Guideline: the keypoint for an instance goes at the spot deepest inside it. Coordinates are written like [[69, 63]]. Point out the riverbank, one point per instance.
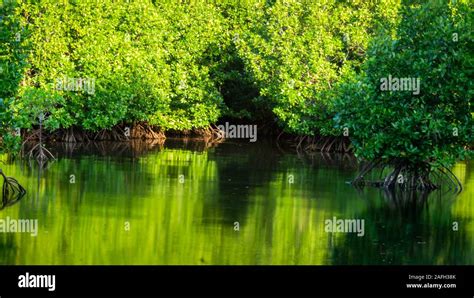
[[211, 134], [138, 135]]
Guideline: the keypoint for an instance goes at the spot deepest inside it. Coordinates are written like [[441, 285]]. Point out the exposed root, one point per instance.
[[454, 180], [214, 136], [407, 178], [12, 191], [39, 152], [145, 132], [279, 136], [301, 139], [323, 159], [72, 135], [366, 168], [211, 135], [118, 133], [35, 135], [322, 144], [132, 148], [114, 134]]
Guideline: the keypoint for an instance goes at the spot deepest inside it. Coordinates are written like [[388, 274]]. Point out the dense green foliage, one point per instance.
[[174, 65], [313, 67], [434, 43], [297, 51], [149, 62], [12, 61]]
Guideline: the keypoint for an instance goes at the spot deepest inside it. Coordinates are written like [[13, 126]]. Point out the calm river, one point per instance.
[[234, 203]]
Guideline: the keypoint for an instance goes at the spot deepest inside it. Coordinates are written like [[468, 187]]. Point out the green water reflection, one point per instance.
[[136, 208]]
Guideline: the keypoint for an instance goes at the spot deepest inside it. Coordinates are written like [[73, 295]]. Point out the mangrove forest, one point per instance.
[[238, 132]]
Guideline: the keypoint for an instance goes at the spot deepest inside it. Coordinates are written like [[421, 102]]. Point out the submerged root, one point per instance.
[[409, 202]]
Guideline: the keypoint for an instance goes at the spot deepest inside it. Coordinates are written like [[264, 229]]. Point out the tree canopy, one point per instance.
[[313, 67]]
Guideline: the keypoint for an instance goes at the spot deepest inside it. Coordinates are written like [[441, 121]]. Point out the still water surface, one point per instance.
[[182, 203]]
